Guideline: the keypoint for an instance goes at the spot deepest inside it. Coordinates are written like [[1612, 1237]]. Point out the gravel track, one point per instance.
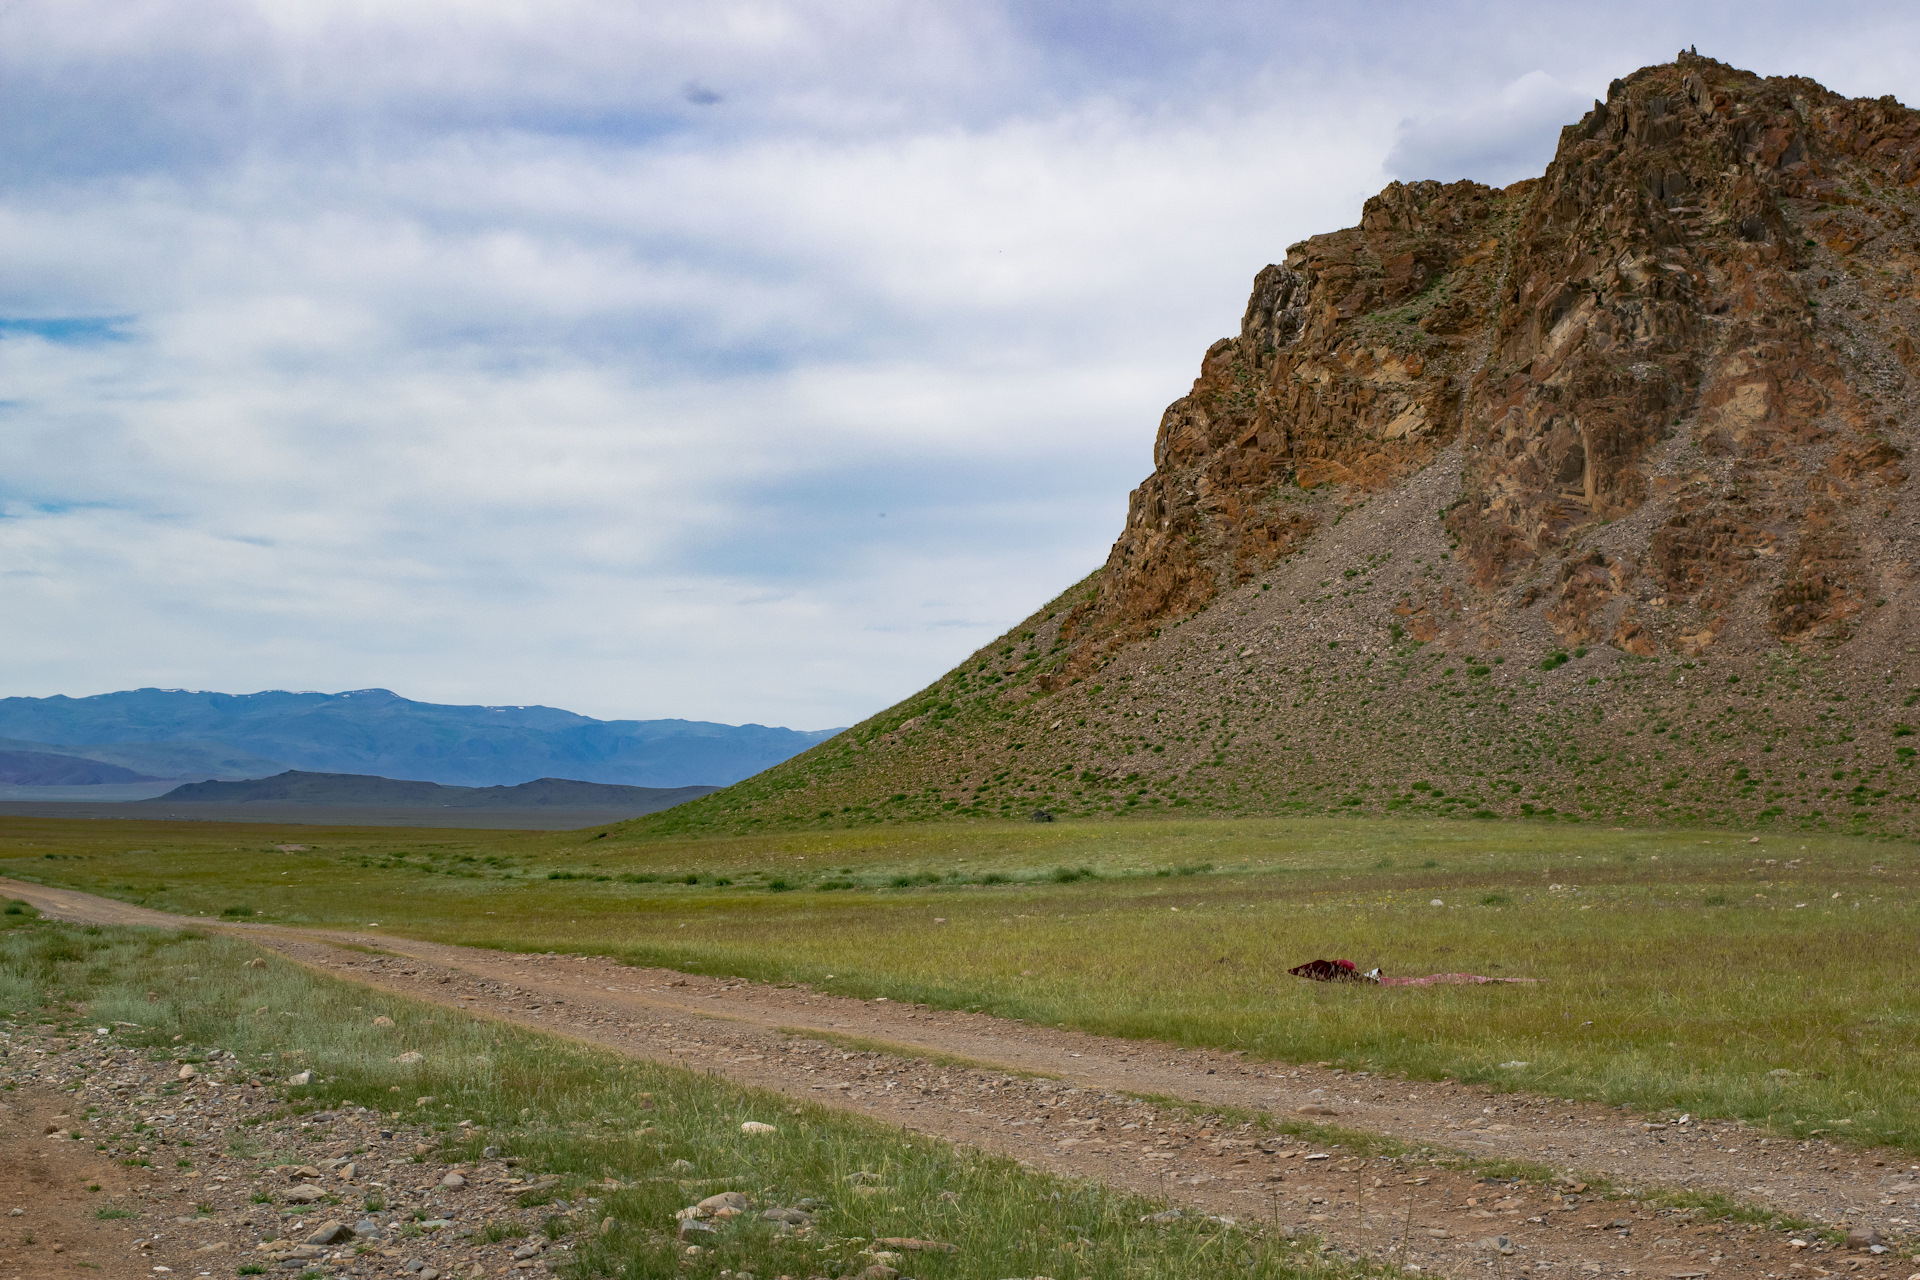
[[1073, 1103]]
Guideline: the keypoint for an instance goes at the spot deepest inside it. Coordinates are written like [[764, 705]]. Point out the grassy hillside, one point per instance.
[[1303, 693]]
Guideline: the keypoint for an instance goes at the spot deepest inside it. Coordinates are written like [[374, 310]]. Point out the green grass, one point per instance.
[[1678, 968], [577, 1112]]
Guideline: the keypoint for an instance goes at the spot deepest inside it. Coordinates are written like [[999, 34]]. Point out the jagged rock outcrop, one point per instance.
[[1588, 496], [1653, 282]]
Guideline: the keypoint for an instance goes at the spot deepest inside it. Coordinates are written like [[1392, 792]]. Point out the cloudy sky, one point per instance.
[[740, 360]]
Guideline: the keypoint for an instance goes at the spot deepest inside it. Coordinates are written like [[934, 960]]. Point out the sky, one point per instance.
[[736, 360]]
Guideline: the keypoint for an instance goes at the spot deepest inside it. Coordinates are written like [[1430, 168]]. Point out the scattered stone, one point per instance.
[[368, 1229], [792, 1217], [331, 1233], [913, 1245], [1863, 1238], [187, 1073], [305, 1194], [455, 1180]]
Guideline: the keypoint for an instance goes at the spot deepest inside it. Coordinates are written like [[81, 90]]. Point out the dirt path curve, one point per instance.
[[1087, 1119]]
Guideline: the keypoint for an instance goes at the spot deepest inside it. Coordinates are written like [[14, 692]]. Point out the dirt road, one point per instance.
[[1070, 1102]]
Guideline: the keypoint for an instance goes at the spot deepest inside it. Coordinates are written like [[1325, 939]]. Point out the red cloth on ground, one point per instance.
[[1347, 971]]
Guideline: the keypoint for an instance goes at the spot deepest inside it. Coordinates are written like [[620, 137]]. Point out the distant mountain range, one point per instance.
[[174, 733], [54, 769], [297, 787]]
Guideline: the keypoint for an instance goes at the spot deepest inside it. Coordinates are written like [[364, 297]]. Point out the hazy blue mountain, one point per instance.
[[162, 759], [374, 731], [296, 787], [47, 769]]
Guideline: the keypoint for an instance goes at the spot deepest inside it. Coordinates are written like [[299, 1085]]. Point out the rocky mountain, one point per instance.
[[1585, 499], [374, 731], [360, 790]]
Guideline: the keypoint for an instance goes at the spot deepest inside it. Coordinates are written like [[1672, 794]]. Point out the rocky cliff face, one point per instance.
[[1640, 328], [1586, 497]]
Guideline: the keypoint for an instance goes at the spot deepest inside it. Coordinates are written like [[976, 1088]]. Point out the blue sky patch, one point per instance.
[[73, 331]]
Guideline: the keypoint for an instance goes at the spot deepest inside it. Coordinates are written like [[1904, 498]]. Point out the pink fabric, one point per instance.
[[1440, 979], [1347, 971]]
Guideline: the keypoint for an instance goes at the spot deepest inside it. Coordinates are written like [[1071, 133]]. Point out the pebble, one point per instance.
[[793, 1217], [455, 1180], [123, 1082], [724, 1200]]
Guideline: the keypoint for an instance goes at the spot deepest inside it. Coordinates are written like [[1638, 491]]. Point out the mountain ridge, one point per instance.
[[1582, 499], [377, 732], [59, 769], [362, 790]]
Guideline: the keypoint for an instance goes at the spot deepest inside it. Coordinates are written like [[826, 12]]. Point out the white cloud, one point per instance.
[[506, 419], [455, 350], [1498, 139]]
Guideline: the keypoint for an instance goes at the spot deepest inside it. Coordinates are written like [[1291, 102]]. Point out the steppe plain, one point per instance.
[[1718, 1050]]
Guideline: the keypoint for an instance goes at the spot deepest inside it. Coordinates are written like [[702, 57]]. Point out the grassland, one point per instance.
[[588, 1115], [1772, 981]]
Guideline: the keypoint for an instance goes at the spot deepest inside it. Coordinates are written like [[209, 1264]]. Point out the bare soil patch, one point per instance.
[[263, 1184]]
